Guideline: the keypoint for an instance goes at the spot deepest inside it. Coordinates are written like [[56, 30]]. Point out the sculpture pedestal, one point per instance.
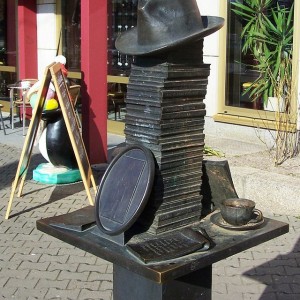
[[187, 277], [193, 286]]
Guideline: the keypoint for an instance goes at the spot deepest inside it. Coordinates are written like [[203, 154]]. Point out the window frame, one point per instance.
[[246, 116]]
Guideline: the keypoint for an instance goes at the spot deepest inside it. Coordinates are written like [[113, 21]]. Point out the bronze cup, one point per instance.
[[239, 212]]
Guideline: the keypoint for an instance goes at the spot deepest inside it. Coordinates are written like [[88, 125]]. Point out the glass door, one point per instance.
[[121, 17], [8, 55]]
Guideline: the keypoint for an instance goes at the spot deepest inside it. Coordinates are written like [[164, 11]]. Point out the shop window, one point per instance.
[[71, 35], [7, 46], [122, 15], [241, 65]]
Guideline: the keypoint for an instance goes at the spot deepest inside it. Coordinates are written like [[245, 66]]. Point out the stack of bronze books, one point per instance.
[[165, 113]]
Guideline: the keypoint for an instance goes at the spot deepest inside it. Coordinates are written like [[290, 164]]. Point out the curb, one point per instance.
[[273, 193]]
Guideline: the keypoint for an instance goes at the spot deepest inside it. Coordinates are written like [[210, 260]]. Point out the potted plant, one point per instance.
[[268, 35]]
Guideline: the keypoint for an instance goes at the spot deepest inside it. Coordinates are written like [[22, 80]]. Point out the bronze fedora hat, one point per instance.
[[164, 24]]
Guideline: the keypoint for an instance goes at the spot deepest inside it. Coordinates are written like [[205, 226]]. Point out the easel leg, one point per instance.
[[21, 185], [14, 186], [94, 184]]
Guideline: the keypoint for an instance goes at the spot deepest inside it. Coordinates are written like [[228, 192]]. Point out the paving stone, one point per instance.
[[6, 256], [27, 257], [101, 261], [249, 288], [265, 279], [89, 259], [73, 275], [106, 285], [281, 296], [8, 292], [72, 252], [8, 264], [29, 293], [3, 280], [296, 287], [77, 284], [93, 268], [99, 295], [234, 279], [267, 296], [244, 263], [49, 251], [61, 267], [219, 287], [270, 270], [292, 270], [57, 258], [21, 283], [54, 293], [51, 275], [109, 269], [27, 265], [232, 296], [19, 274], [47, 284], [98, 276]]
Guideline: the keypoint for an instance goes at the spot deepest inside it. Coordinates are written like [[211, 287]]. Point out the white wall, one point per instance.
[[46, 33], [211, 55]]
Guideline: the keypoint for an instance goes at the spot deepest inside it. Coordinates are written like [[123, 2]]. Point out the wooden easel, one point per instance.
[[53, 72]]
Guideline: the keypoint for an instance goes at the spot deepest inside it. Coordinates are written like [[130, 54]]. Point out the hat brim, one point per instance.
[[127, 42]]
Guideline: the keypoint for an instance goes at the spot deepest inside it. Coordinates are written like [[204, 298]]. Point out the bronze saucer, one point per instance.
[[218, 220]]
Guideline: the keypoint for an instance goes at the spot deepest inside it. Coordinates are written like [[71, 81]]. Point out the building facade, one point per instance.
[[33, 32]]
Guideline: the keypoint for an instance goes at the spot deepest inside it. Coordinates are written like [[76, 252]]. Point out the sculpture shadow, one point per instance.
[[60, 192], [281, 276], [10, 169], [57, 193]]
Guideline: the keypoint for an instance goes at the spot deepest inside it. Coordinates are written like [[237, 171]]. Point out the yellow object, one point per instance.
[[247, 84], [51, 104]]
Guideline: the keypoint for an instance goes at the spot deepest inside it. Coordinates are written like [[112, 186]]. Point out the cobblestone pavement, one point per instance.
[[34, 265]]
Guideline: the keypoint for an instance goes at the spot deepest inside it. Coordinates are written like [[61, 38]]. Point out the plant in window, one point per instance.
[[268, 35]]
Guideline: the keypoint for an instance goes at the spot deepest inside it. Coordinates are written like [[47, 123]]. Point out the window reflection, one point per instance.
[[71, 33], [241, 65], [122, 15], [7, 45]]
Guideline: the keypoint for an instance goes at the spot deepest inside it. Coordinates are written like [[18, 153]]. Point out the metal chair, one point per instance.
[[1, 117], [20, 101], [116, 97]]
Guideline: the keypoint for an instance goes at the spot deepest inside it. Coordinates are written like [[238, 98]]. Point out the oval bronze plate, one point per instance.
[[124, 189]]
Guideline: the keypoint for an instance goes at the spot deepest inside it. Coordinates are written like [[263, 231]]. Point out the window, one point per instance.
[[70, 34], [122, 15], [7, 45], [242, 65]]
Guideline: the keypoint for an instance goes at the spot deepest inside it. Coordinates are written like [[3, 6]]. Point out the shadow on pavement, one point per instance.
[[281, 276]]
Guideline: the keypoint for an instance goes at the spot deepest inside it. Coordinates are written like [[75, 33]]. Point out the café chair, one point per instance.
[[116, 98], [22, 96], [1, 117]]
